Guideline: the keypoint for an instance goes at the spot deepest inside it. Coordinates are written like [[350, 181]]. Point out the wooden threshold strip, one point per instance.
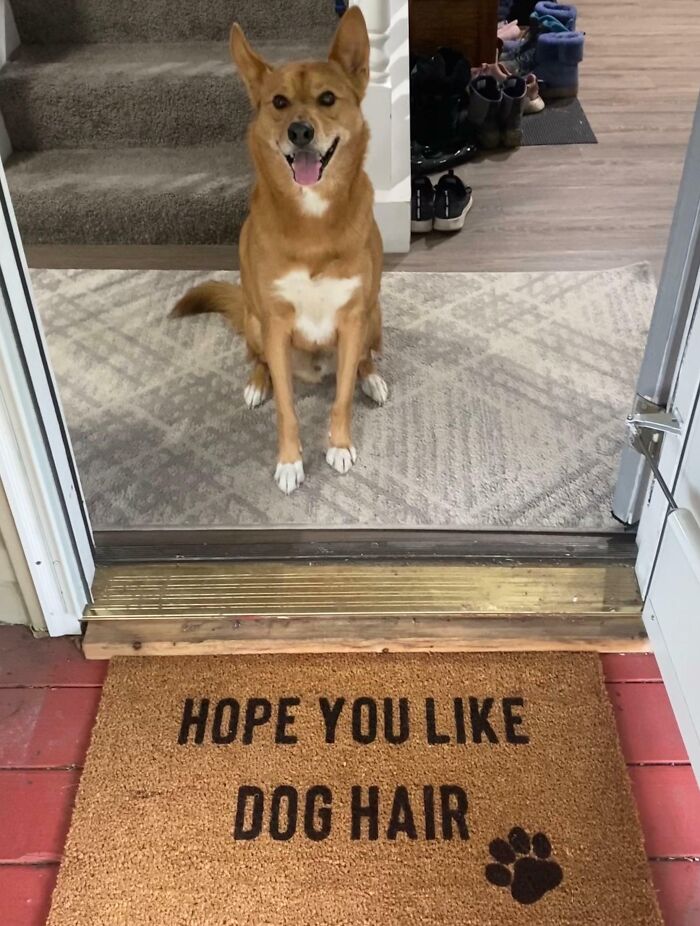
[[267, 608]]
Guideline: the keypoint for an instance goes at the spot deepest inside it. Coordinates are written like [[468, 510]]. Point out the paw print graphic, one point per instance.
[[524, 865]]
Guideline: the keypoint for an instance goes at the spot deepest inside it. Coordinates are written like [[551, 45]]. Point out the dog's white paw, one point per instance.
[[376, 388], [289, 476], [341, 458], [254, 396]]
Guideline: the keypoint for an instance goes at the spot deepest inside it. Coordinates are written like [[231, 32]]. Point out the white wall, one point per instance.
[[12, 610]]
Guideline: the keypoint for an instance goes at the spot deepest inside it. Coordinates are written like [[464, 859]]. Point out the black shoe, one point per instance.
[[422, 205], [453, 200], [427, 160]]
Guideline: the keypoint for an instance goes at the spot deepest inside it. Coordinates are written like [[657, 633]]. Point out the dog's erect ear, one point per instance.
[[252, 67], [350, 48]]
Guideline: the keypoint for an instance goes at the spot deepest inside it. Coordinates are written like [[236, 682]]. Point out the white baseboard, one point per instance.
[[392, 210]]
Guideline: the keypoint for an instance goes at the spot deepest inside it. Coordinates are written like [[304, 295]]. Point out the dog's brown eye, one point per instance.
[[280, 102], [327, 98]]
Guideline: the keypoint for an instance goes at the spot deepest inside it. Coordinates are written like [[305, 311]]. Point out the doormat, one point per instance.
[[561, 122], [507, 405], [440, 790]]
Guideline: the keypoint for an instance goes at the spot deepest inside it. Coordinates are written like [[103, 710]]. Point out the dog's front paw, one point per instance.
[[341, 458], [254, 395], [376, 388], [289, 476]]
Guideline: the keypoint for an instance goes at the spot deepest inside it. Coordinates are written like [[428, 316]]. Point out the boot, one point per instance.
[[546, 23], [440, 134], [565, 13], [556, 63], [511, 112], [485, 98], [521, 10], [437, 88]]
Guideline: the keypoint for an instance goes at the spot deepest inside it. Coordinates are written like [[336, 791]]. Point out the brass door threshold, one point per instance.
[[207, 608]]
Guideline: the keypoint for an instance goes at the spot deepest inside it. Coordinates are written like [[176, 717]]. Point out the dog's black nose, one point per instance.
[[300, 134]]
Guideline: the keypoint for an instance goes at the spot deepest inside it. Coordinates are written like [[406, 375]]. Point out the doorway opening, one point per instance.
[[511, 349]]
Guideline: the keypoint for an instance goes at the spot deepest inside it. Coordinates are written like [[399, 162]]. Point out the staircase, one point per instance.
[[127, 120]]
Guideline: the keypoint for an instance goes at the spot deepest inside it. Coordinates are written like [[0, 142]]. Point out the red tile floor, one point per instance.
[[48, 700]]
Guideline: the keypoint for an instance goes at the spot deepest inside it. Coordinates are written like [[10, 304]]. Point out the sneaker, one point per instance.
[[422, 205], [533, 101], [508, 31], [519, 57], [453, 200], [497, 70]]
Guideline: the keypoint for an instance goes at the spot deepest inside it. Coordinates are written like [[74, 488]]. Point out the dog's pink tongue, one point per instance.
[[307, 167]]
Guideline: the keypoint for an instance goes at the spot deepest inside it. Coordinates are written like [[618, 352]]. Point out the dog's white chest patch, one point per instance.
[[312, 203], [316, 301]]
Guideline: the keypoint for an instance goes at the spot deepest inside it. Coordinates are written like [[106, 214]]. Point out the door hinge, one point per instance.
[[647, 425]]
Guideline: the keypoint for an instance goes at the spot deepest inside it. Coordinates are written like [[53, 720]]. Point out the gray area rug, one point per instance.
[[507, 405]]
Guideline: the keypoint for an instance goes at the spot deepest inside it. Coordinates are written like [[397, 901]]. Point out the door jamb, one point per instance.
[[46, 508], [674, 302]]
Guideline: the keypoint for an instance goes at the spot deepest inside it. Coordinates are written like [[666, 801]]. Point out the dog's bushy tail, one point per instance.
[[215, 296]]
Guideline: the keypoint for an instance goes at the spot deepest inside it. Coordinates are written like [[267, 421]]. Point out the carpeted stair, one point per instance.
[[127, 119]]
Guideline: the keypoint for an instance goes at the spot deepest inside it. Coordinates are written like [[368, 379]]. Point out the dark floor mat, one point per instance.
[[562, 122]]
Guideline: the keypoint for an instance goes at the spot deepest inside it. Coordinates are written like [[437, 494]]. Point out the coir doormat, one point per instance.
[[440, 790]]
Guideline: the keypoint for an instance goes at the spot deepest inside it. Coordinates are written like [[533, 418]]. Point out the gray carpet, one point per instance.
[[127, 119], [149, 95], [132, 195], [45, 22], [507, 406]]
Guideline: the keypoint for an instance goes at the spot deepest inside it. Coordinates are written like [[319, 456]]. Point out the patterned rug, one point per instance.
[[507, 405]]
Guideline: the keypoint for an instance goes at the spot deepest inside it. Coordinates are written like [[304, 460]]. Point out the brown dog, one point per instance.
[[310, 250]]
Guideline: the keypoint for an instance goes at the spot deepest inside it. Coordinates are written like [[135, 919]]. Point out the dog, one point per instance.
[[310, 249]]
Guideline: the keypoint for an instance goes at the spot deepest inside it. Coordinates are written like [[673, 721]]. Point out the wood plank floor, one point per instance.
[[56, 693], [561, 207]]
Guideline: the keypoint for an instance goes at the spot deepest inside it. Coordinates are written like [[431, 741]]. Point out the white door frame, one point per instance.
[[674, 302], [683, 404], [668, 564], [37, 469]]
